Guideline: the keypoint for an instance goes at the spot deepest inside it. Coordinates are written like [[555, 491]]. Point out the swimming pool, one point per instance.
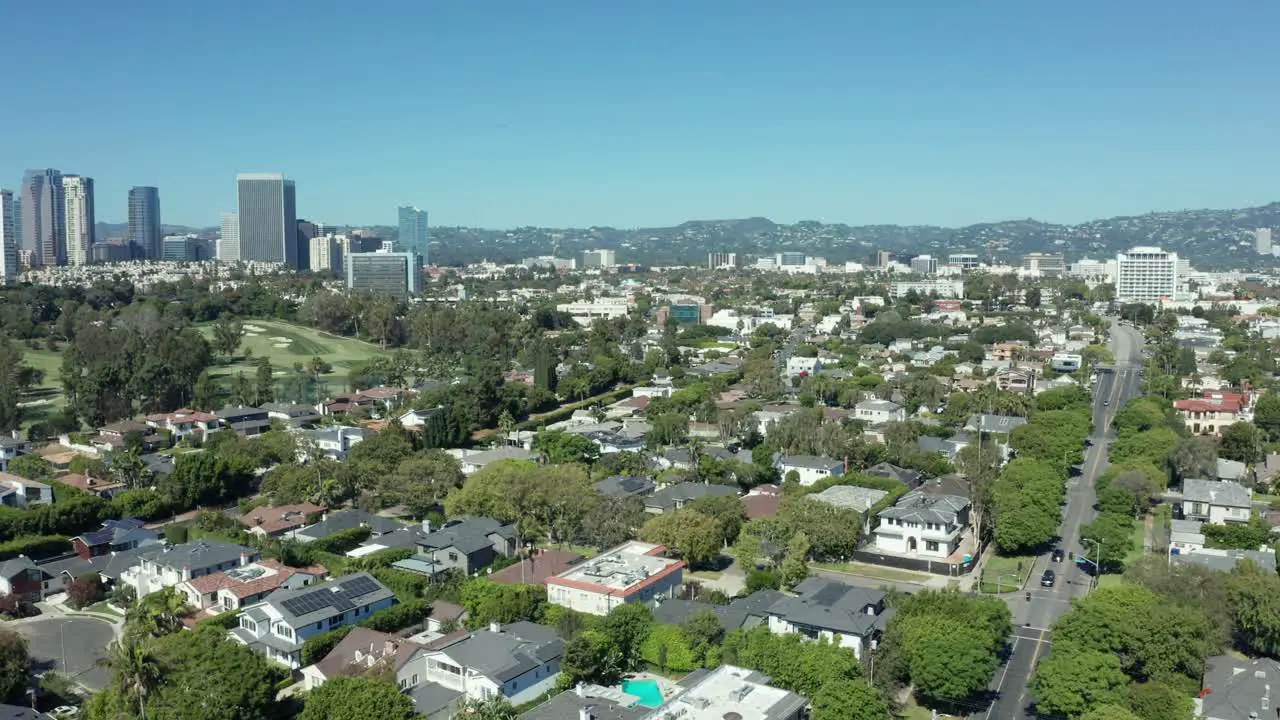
[[647, 690]]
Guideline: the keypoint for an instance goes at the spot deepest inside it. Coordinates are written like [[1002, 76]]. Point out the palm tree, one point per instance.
[[136, 669]]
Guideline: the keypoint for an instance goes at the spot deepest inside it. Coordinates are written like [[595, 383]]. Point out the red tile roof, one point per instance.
[[277, 519], [209, 584], [1199, 405]]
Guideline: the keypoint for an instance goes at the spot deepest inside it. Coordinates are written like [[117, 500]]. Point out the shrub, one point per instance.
[[314, 649], [397, 617], [85, 591]]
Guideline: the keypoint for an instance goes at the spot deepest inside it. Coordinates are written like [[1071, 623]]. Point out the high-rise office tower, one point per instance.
[[8, 238], [268, 218], [77, 194], [1262, 241], [1146, 275], [306, 231], [383, 273], [413, 232], [924, 265], [229, 240], [144, 221], [17, 218], [44, 229]]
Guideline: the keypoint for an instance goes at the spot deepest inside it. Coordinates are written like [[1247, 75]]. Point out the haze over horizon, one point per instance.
[[576, 114]]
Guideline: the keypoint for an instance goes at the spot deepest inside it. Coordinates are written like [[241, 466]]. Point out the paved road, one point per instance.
[[80, 640], [1034, 618]]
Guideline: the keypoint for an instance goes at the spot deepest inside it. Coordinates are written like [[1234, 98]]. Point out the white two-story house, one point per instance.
[[1216, 501], [879, 412], [278, 626], [923, 525], [19, 492], [168, 566], [519, 662], [809, 468], [847, 615]]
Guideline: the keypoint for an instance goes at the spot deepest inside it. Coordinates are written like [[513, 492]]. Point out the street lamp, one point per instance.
[[1097, 566], [1014, 575]]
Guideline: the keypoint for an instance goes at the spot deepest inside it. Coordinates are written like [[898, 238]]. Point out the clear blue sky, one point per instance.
[[575, 112]]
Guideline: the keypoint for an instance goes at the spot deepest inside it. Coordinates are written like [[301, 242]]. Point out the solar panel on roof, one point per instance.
[[359, 585]]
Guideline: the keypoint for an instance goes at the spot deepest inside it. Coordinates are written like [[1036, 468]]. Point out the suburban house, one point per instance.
[[1002, 424], [632, 572], [21, 577], [1016, 380], [473, 461], [1215, 501], [847, 615], [879, 412], [519, 662], [114, 536], [170, 565], [184, 423], [535, 569], [948, 447], [1185, 536], [278, 626], [742, 613], [798, 366], [278, 520], [762, 501], [294, 415], [116, 436], [1209, 415], [109, 567], [923, 524], [336, 522], [809, 468], [334, 442], [906, 476], [467, 545], [624, 485], [729, 691], [245, 420], [244, 585], [357, 653], [1238, 688], [11, 447], [419, 417], [674, 497], [102, 487], [19, 492]]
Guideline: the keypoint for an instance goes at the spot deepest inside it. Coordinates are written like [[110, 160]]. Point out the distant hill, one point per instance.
[[1210, 238]]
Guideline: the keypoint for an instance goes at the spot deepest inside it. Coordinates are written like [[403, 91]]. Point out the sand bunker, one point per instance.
[[253, 329]]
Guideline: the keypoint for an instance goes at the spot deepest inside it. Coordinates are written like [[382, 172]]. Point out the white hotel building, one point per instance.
[[1146, 275]]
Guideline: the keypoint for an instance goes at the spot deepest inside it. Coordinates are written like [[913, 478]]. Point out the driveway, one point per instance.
[[83, 641]]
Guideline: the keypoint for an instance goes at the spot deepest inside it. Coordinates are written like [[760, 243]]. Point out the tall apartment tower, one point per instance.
[[1262, 241], [77, 194], [229, 241], [268, 218], [144, 221], [44, 226], [8, 238], [413, 232], [1146, 275]]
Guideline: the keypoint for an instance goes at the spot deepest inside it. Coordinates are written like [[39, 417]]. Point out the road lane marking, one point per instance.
[[1013, 649], [1030, 675]]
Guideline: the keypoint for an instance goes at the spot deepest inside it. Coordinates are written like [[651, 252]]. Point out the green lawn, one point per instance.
[[999, 573], [46, 399], [285, 344], [1134, 554], [875, 571]]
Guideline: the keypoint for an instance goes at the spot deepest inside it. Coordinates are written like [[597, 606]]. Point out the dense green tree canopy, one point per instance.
[[357, 698]]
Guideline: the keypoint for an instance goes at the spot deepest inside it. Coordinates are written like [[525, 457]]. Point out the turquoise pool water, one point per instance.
[[647, 690]]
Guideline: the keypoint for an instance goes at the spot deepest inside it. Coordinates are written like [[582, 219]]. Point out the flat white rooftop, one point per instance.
[[621, 568], [727, 690]]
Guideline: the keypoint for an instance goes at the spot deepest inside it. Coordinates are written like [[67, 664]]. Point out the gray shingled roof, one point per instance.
[[829, 605], [850, 497], [513, 651], [466, 536], [812, 462], [341, 520], [1215, 492], [196, 554], [566, 706], [667, 497], [918, 507]]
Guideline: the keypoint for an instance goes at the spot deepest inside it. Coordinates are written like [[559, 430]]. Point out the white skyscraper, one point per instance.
[[326, 253], [1146, 275], [78, 196], [1262, 241], [8, 239], [229, 240]]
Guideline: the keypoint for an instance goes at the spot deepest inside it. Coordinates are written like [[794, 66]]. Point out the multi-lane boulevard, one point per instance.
[[1034, 618]]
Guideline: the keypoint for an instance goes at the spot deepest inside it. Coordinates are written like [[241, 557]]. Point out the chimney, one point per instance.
[[426, 525], [495, 627], [580, 690], [244, 558], [584, 713]]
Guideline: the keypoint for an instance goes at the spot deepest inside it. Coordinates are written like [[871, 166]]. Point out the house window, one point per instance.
[[415, 679], [931, 546], [453, 556]]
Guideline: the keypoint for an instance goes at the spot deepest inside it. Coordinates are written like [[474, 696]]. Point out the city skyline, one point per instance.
[[817, 112]]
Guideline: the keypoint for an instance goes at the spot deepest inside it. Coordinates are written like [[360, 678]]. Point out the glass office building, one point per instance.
[[144, 221], [413, 232], [268, 218]]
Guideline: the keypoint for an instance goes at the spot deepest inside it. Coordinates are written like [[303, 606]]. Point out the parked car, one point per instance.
[[1048, 578], [1058, 555]]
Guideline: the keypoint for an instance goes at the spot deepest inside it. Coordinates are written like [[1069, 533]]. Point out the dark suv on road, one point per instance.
[[1058, 555], [1048, 578]]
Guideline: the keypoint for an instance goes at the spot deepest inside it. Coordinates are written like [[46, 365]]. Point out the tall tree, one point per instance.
[[15, 665], [1073, 680], [227, 335], [136, 671]]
